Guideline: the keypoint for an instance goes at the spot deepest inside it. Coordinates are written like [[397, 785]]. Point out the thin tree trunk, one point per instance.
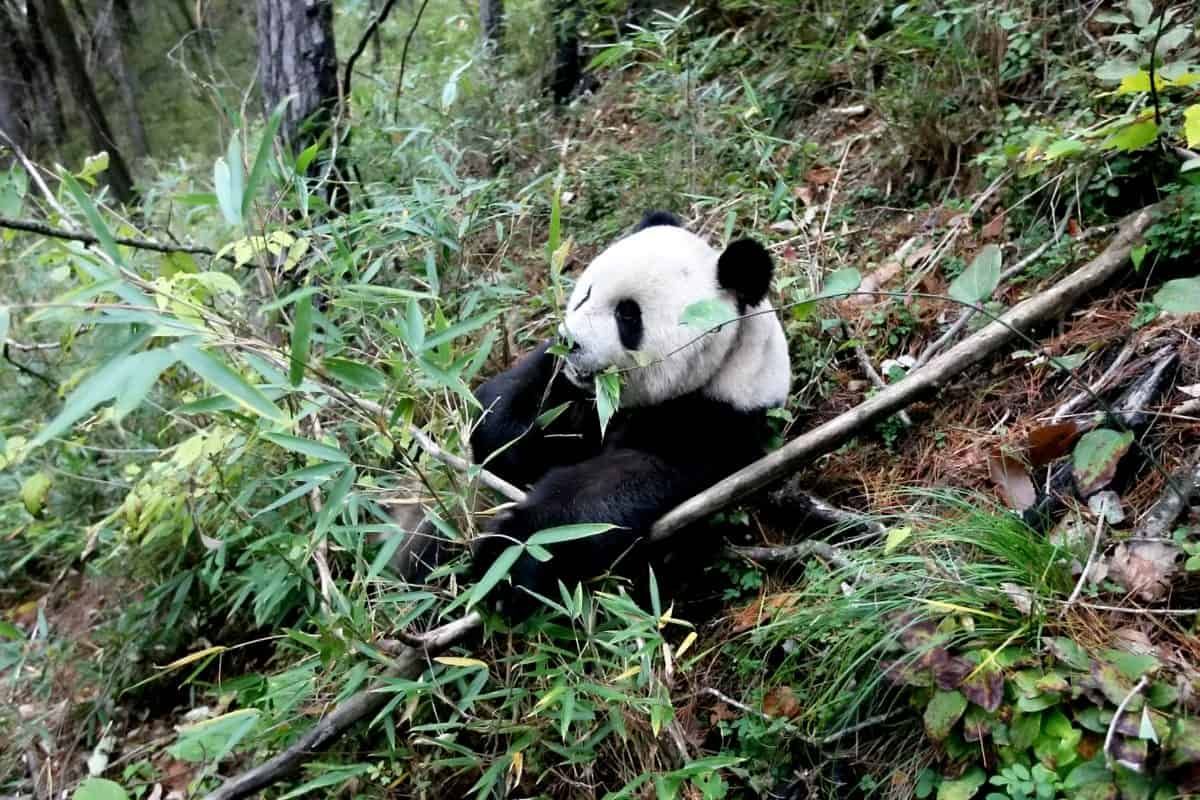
[[297, 58], [70, 61], [491, 24], [45, 81], [568, 63], [376, 38], [17, 109], [116, 37]]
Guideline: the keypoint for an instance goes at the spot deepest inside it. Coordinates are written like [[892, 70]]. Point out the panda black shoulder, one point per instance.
[[653, 219]]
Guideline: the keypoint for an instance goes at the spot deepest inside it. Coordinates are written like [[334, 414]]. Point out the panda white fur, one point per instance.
[[693, 405]]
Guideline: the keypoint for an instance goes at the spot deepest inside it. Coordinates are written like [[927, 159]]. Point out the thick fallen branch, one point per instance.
[[29, 226], [1042, 307], [410, 663], [794, 552], [1183, 487]]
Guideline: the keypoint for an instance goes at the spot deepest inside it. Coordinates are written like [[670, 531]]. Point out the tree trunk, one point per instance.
[[70, 61], [115, 37], [47, 85], [17, 107], [568, 64], [297, 58], [491, 24]]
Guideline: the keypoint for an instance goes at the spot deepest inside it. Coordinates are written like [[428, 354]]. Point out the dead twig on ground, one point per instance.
[[30, 226]]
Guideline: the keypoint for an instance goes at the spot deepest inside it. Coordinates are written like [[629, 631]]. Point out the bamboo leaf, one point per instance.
[[494, 574], [228, 382], [301, 335], [308, 447], [262, 160]]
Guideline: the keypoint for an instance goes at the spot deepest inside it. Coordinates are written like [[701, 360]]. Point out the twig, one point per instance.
[[410, 663], [29, 226], [1045, 305], [1106, 380], [404, 54], [1180, 489], [864, 363], [362, 45], [1088, 566], [1112, 726], [794, 552], [815, 741], [1162, 17]]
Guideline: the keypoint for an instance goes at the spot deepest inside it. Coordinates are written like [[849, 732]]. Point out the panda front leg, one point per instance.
[[625, 488]]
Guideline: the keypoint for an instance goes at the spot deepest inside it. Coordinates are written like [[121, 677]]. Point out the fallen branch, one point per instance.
[[794, 552], [1045, 306], [1099, 387], [410, 663], [362, 45], [29, 226], [1112, 727]]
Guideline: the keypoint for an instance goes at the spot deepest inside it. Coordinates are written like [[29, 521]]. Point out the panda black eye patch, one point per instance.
[[629, 323]]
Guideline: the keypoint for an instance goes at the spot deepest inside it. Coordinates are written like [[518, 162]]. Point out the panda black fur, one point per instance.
[[693, 410]]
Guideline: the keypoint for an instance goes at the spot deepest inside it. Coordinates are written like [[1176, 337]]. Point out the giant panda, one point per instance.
[[693, 404]]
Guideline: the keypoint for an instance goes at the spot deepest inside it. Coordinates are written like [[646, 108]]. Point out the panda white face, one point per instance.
[[626, 311]]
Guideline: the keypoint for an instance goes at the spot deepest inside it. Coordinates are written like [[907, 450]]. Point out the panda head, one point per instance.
[[627, 308]]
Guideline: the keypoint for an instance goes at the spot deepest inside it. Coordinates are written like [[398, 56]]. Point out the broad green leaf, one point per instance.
[[1131, 665], [34, 491], [495, 574], [963, 788], [1140, 82], [308, 447], [262, 160], [301, 335], [608, 398], [944, 709], [840, 282], [139, 375], [99, 789], [1180, 296], [980, 279], [1133, 136], [228, 382], [5, 318], [707, 315], [567, 533], [354, 374], [213, 739], [1064, 148], [1096, 456]]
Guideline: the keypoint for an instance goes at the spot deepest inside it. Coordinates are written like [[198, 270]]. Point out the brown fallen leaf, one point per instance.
[[1145, 568], [994, 229], [875, 280], [781, 702], [1050, 442], [819, 176], [1011, 477]]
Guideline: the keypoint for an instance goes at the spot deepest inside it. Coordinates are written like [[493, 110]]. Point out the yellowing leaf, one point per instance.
[[1140, 82], [1191, 125], [685, 645], [896, 537], [196, 656], [456, 661], [629, 673], [1133, 136], [34, 491]]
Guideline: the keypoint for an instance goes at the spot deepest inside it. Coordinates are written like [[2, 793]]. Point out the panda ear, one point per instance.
[[745, 269], [653, 218]]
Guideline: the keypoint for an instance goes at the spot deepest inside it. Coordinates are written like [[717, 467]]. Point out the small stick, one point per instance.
[[1088, 566], [30, 226], [794, 552], [1112, 726], [1106, 380]]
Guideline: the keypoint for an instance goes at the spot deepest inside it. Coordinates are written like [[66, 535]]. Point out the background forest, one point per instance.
[[253, 257]]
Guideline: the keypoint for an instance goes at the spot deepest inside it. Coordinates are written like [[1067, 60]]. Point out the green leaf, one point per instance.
[[99, 789], [262, 160], [567, 533], [414, 325], [841, 282], [228, 382], [99, 387], [308, 447], [1064, 148], [943, 711], [93, 166], [980, 279], [333, 777], [1133, 136], [335, 500], [139, 375], [896, 537], [963, 788], [1131, 665], [495, 574], [34, 491], [5, 318], [213, 739], [710, 314], [107, 243], [458, 329], [1096, 456], [301, 335], [608, 398], [1180, 296], [1137, 255], [354, 374], [228, 183]]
